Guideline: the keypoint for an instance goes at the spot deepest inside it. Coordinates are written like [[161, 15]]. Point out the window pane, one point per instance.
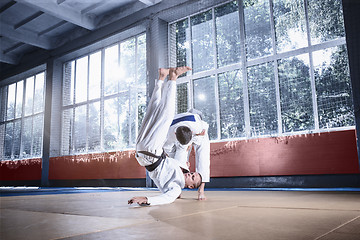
[[295, 94], [94, 127], [29, 96], [111, 127], [182, 104], [231, 105], [68, 83], [39, 93], [127, 64], [141, 79], [202, 42], [67, 139], [204, 101], [2, 137], [290, 28], [326, 20], [81, 79], [11, 102], [18, 135], [2, 108], [80, 129], [19, 98], [180, 36], [95, 75], [9, 136], [124, 121], [262, 99], [111, 70], [116, 123], [141, 61], [17, 138], [131, 118], [123, 103], [333, 88], [227, 33], [141, 106], [257, 28], [26, 137], [38, 135]]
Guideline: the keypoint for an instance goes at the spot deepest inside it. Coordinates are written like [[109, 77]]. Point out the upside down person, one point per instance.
[[166, 172]]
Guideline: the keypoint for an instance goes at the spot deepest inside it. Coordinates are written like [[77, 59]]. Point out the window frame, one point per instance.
[[246, 62], [95, 48], [41, 69]]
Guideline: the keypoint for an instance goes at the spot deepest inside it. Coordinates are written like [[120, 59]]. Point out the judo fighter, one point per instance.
[[166, 172], [188, 130]]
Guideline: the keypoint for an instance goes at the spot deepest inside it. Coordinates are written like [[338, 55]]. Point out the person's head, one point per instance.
[[192, 180], [183, 135]]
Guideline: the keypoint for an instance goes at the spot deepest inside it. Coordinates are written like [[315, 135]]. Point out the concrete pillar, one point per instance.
[[47, 123], [351, 9], [157, 56]]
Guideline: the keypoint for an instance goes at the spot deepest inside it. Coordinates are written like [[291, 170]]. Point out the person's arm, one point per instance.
[[166, 198], [201, 192], [202, 156]]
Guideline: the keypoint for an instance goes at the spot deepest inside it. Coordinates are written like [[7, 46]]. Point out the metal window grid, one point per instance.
[[100, 99], [244, 63]]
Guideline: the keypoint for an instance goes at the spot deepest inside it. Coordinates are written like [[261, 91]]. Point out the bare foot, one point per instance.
[[163, 72], [174, 73]]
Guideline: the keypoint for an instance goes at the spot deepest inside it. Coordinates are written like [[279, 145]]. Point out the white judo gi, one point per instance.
[[168, 176], [201, 143]]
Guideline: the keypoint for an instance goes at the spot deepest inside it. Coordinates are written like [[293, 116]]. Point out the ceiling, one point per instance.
[[31, 25]]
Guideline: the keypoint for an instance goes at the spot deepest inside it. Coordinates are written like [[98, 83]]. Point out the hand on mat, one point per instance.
[[201, 196], [139, 200], [201, 192]]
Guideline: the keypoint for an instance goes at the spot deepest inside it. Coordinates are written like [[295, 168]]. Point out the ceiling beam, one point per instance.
[[13, 48], [60, 1], [62, 12], [129, 9], [28, 19], [26, 36], [6, 6], [92, 7], [59, 24], [9, 58], [150, 2]]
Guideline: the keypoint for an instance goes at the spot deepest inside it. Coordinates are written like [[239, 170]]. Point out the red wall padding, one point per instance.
[[115, 165], [29, 169], [318, 153]]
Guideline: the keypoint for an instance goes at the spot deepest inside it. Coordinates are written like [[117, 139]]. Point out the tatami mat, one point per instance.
[[92, 213]]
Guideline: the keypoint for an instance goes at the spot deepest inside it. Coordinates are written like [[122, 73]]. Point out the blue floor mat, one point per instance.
[[25, 191]]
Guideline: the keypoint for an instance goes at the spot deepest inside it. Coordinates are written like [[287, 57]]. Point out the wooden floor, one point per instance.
[[236, 214]]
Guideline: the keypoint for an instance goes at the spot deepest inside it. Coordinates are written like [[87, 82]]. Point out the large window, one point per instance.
[[265, 67], [22, 117], [104, 98]]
